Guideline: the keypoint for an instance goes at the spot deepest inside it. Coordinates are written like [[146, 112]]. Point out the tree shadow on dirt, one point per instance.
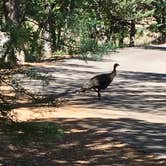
[[90, 141]]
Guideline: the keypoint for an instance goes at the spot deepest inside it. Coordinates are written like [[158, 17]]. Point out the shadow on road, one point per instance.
[[156, 47], [131, 91]]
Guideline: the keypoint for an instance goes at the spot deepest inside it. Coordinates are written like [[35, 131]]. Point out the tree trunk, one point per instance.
[[47, 44], [121, 41], [3, 57], [132, 33], [51, 26], [12, 13], [121, 38], [47, 33], [163, 32]]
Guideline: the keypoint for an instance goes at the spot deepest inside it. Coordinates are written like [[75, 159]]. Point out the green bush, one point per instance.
[[98, 51], [88, 45]]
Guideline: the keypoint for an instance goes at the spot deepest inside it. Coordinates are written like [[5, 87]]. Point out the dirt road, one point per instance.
[[132, 110]]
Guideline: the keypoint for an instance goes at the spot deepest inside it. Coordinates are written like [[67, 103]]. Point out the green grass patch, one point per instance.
[[23, 132]]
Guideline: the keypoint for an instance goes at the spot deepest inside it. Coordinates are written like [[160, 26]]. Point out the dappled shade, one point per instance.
[[131, 91], [90, 141]]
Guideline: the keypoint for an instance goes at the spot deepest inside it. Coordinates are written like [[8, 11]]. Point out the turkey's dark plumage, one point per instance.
[[100, 82]]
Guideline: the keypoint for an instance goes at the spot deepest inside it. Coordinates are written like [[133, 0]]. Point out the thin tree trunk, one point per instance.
[[121, 41], [163, 32], [47, 34], [51, 26], [2, 60], [132, 33]]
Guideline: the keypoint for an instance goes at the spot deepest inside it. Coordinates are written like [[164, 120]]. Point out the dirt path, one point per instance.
[[132, 110]]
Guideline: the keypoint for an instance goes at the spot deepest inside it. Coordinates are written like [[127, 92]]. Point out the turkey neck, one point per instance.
[[113, 73]]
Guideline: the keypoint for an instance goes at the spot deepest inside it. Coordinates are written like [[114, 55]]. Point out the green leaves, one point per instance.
[[77, 24], [160, 16]]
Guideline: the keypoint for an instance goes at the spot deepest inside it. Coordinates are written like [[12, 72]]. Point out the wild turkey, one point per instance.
[[100, 82]]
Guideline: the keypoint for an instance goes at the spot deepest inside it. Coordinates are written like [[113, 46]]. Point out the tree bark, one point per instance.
[[47, 32], [132, 33], [12, 13]]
